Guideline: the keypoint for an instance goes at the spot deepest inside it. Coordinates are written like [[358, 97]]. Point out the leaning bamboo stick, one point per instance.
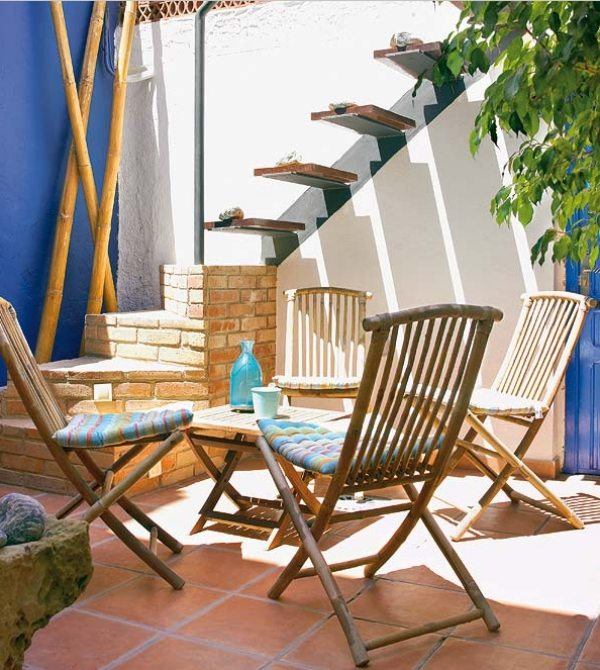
[[113, 159], [79, 136], [64, 221]]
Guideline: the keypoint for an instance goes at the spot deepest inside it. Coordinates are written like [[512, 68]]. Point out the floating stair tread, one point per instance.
[[367, 120], [271, 227], [308, 174], [415, 61]]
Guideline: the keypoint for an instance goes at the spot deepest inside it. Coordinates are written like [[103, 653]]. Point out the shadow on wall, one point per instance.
[[148, 241], [420, 232]]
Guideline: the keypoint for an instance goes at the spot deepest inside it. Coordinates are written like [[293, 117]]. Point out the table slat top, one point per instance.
[[223, 418]]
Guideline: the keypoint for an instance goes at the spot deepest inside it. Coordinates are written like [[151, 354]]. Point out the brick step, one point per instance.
[[26, 461], [157, 335], [136, 385]]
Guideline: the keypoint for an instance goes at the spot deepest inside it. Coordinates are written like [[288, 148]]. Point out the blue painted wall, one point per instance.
[[34, 141]]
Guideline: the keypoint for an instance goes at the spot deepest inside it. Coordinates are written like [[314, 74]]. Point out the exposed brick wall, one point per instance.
[[150, 336], [184, 352], [235, 303]]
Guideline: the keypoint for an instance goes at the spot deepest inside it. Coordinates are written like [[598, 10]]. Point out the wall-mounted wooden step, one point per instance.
[[271, 227], [308, 174], [367, 120], [415, 61]]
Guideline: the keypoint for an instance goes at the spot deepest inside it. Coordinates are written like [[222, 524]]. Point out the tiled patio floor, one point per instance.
[[543, 580]]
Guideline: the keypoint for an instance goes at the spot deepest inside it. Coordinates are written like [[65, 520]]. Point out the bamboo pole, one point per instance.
[[81, 149], [64, 221], [113, 158]]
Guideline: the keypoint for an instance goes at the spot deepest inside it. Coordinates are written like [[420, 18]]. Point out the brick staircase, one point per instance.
[[182, 352]]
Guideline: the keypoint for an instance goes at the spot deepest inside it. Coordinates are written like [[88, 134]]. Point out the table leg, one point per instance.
[[215, 474], [232, 458]]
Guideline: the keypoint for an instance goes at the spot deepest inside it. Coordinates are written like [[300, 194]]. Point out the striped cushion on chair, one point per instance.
[[307, 445], [311, 446], [102, 430]]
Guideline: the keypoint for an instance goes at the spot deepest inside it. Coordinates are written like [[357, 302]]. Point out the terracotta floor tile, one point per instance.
[[591, 651], [533, 629], [217, 568], [252, 625], [406, 604], [80, 641], [52, 502], [306, 592], [105, 577], [587, 666], [327, 648], [503, 517], [115, 553], [420, 574], [463, 655], [151, 601], [184, 655]]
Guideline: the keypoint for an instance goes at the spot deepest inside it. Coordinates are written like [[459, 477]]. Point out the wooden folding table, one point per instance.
[[236, 433]]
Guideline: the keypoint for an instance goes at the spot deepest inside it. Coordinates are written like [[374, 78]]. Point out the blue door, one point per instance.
[[582, 439]]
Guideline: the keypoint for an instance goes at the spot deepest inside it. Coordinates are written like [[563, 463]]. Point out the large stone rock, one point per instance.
[[37, 580]]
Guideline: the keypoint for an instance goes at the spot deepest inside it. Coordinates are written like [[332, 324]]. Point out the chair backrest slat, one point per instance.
[[547, 332], [324, 336], [420, 372], [25, 373]]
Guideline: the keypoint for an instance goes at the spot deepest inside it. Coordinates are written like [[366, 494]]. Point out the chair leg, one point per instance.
[[152, 560], [513, 463], [355, 642], [128, 506], [142, 468], [232, 458], [456, 563], [215, 474], [394, 543]]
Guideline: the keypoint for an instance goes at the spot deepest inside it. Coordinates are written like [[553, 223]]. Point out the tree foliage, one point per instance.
[[546, 89]]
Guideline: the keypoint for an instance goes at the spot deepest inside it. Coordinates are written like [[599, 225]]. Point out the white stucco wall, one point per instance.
[[268, 67], [419, 232]]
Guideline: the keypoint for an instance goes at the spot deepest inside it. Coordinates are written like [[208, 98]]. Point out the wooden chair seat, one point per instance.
[[94, 431], [492, 402], [317, 448], [316, 383]]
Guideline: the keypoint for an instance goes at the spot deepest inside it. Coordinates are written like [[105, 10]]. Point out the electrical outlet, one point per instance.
[[102, 392]]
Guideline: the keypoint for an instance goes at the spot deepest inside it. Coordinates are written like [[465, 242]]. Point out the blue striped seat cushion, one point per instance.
[[102, 430], [308, 445]]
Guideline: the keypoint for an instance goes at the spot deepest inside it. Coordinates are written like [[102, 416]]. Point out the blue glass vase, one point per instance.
[[245, 375]]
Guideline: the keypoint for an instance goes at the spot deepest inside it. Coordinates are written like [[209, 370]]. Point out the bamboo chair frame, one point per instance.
[[545, 337], [406, 439], [101, 492], [324, 340]]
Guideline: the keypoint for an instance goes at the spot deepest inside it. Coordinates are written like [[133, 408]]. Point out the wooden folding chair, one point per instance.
[[324, 342], [165, 429], [546, 335], [407, 439]]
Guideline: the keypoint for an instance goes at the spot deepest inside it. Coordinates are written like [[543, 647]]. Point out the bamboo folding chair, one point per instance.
[[546, 335], [138, 431], [406, 439], [325, 344]]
